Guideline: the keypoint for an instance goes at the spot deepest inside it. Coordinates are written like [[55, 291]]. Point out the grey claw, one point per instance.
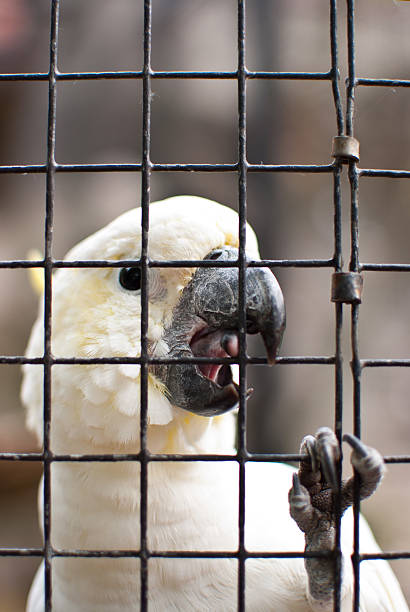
[[296, 484], [328, 450], [311, 449], [328, 467], [356, 444], [309, 446], [369, 464]]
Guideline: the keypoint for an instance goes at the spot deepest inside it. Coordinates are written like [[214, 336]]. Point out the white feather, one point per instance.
[[191, 506]]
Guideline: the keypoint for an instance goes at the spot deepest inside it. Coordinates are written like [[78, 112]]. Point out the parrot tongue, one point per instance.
[[218, 343]]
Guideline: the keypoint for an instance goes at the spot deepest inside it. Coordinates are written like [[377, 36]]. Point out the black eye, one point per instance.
[[214, 254], [130, 279]]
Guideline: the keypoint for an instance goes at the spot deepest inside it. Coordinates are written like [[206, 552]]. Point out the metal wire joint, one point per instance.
[[347, 287], [345, 148]]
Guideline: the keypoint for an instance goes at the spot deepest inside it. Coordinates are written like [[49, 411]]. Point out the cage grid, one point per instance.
[[344, 125]]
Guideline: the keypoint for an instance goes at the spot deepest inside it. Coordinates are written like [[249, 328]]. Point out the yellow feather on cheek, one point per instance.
[[36, 275], [231, 240]]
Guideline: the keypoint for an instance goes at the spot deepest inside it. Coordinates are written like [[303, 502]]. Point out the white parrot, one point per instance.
[[191, 505]]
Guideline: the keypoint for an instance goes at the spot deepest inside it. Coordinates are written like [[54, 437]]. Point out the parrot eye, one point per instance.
[[130, 279], [214, 254]]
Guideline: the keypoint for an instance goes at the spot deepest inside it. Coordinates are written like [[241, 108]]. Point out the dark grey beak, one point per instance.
[[205, 323]]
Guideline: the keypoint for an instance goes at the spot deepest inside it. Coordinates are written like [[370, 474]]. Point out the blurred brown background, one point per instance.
[[195, 121]]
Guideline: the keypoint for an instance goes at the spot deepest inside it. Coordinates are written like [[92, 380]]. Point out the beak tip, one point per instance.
[[271, 359], [272, 344]]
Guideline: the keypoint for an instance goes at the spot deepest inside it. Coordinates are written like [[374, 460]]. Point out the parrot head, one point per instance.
[[205, 323], [192, 312]]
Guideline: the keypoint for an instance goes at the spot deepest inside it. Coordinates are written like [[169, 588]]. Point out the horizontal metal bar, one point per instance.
[[384, 173], [304, 168], [164, 457], [137, 167], [303, 359], [396, 458], [22, 360], [116, 457], [23, 169], [162, 74], [123, 263], [182, 554], [289, 263], [385, 363], [384, 267], [383, 82], [42, 168], [250, 167], [187, 554], [297, 76], [387, 556], [21, 457], [189, 263], [24, 76], [21, 552], [262, 263]]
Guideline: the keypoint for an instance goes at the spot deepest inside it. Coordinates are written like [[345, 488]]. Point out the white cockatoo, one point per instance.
[[192, 506]]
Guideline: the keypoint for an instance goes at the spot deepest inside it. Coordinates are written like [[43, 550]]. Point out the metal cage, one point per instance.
[[346, 283]]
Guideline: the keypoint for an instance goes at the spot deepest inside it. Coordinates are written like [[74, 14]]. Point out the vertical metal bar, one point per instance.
[[338, 430], [338, 263], [351, 79], [242, 193], [335, 66], [354, 216], [48, 269], [356, 372], [338, 376], [337, 219], [145, 199], [354, 267]]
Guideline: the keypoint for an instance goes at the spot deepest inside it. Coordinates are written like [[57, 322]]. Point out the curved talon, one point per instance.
[[329, 467], [309, 442], [296, 484], [328, 450], [311, 449], [356, 444]]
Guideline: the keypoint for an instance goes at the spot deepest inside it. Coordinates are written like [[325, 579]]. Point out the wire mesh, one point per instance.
[[345, 127]]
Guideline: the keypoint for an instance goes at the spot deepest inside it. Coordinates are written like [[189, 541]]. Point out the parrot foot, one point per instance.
[[312, 502]]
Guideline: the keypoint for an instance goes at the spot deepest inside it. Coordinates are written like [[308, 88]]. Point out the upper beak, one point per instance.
[[210, 302], [265, 309]]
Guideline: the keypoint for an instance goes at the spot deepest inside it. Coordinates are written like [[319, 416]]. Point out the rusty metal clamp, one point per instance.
[[345, 148], [347, 287]]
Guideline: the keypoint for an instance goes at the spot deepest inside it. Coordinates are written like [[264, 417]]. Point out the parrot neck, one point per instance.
[[189, 433], [185, 433]]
